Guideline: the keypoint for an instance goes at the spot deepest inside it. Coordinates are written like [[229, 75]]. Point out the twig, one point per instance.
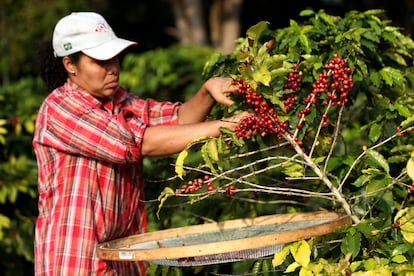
[[335, 137], [364, 152], [337, 194]]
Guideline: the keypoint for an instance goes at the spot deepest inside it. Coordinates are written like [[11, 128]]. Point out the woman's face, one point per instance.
[[98, 77]]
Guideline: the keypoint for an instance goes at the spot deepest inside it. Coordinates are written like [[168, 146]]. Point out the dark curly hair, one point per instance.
[[52, 71]]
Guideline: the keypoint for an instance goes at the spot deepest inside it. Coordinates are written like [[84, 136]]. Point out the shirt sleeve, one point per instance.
[[76, 127]]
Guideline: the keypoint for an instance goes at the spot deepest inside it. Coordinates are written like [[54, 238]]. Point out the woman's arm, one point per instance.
[[170, 139]]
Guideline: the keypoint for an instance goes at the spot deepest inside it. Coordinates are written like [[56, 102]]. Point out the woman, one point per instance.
[[90, 138]]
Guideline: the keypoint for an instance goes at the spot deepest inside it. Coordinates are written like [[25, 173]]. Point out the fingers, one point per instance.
[[233, 121], [220, 89]]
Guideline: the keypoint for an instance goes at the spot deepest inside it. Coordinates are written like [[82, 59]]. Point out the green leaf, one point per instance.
[[391, 75], [279, 72], [362, 180], [29, 125], [166, 193], [305, 43], [280, 256], [212, 149], [375, 132], [407, 122], [375, 78], [3, 131], [403, 110], [292, 267], [209, 153], [351, 244], [379, 159], [397, 58], [293, 169], [275, 61], [236, 141], [4, 223], [302, 253], [256, 267], [399, 259], [371, 264], [179, 163], [327, 18], [372, 36], [307, 12], [253, 32], [262, 75], [405, 218], [376, 185]]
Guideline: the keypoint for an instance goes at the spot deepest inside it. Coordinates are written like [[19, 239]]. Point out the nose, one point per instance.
[[112, 65]]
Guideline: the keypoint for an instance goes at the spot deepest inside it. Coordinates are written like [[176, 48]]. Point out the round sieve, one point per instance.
[[222, 242]]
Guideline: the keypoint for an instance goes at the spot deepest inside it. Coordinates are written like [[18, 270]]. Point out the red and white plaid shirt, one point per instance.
[[90, 177]]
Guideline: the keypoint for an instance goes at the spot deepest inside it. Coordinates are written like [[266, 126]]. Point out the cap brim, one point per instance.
[[109, 49]]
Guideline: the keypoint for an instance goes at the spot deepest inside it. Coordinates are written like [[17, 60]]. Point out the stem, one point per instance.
[[338, 195]]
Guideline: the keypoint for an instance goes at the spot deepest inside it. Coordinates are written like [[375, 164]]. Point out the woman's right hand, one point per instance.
[[233, 121]]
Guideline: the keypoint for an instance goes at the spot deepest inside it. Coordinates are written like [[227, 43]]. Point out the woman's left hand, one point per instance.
[[220, 89]]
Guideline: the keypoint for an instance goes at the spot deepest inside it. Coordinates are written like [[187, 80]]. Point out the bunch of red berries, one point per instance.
[[335, 81], [195, 185], [199, 183], [332, 86], [293, 83], [230, 190], [265, 121]]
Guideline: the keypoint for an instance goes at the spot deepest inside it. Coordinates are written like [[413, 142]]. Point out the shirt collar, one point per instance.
[[93, 102]]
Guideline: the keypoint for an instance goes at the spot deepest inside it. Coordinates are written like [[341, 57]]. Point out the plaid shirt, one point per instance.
[[90, 177]]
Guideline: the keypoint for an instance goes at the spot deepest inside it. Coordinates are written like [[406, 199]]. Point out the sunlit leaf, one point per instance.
[[292, 267], [280, 256], [4, 223], [293, 169], [403, 110], [210, 153], [254, 31], [399, 259], [302, 253], [166, 193], [179, 163], [391, 75], [405, 218], [262, 75], [29, 125]]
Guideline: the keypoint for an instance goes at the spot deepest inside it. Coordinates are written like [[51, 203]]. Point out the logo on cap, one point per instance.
[[101, 28], [67, 46]]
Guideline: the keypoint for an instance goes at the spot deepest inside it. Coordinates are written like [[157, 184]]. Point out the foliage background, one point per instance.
[[157, 68]]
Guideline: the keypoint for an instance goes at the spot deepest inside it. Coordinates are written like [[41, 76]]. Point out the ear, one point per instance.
[[69, 65]]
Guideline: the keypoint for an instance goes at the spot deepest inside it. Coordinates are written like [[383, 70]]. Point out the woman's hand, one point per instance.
[[214, 90], [220, 89]]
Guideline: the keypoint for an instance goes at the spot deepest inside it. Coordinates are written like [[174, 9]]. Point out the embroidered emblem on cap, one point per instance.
[[67, 46], [101, 28]]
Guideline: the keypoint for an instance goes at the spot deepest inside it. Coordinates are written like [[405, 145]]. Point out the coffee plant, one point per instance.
[[20, 102], [331, 102]]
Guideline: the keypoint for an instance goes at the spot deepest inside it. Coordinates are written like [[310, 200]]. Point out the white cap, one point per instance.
[[89, 33]]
